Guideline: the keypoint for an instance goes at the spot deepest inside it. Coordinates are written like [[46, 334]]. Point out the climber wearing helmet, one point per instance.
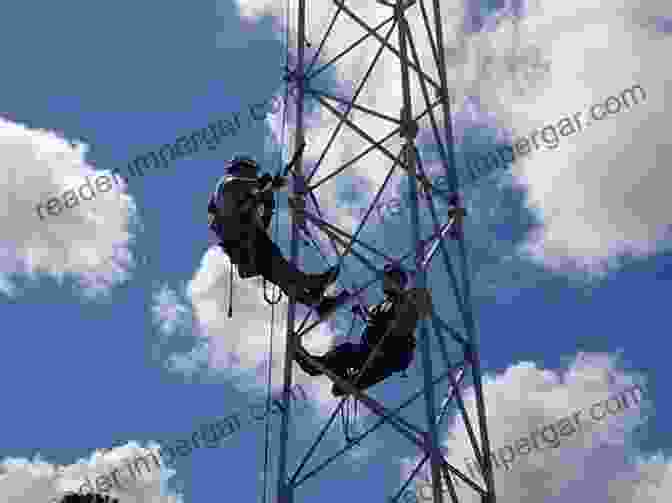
[[403, 308], [240, 211]]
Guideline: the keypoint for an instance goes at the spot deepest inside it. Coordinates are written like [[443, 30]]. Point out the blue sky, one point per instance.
[[140, 349]]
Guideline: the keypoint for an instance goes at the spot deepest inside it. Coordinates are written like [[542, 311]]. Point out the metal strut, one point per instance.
[[288, 168], [414, 107]]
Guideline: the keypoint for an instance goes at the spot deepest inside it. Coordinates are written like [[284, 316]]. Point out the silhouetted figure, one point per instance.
[[402, 307], [240, 211]]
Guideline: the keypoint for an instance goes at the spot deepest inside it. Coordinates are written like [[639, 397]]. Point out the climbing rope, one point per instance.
[[269, 300], [269, 384], [230, 288], [267, 443], [274, 302], [349, 410]]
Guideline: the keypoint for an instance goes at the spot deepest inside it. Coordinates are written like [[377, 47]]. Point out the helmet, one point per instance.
[[234, 166], [396, 270]]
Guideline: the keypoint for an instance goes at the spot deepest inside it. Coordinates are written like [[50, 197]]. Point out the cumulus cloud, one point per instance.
[[595, 458], [36, 481], [168, 312], [599, 195], [244, 347], [382, 93], [173, 316], [88, 242], [237, 346], [518, 71]]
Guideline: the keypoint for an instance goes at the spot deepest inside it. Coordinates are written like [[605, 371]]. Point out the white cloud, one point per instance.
[[601, 193], [173, 316], [593, 460], [381, 93], [168, 312], [88, 242], [239, 345], [36, 481]]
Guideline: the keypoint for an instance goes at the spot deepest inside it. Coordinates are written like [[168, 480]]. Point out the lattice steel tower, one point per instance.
[[423, 78]]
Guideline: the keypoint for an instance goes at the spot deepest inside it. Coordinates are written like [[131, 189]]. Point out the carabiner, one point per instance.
[[269, 301]]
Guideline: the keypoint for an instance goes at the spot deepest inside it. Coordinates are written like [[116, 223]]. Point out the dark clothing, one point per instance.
[[245, 257], [269, 254], [380, 317], [243, 237], [229, 222], [349, 355], [395, 355]]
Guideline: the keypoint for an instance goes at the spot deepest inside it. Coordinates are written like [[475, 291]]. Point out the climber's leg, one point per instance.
[[273, 266], [343, 357], [380, 369], [308, 368], [338, 360]]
